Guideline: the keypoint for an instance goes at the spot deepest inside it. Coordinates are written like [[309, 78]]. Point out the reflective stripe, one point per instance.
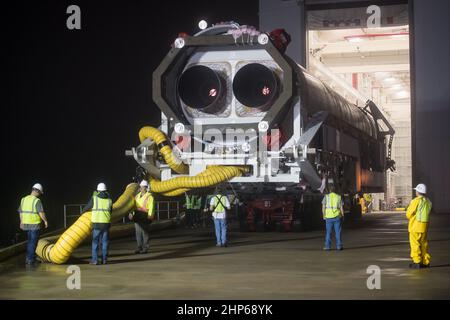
[[145, 203], [28, 207], [101, 210], [333, 205], [423, 210], [218, 203]]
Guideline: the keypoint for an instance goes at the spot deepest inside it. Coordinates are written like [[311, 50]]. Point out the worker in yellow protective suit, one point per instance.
[[368, 199], [418, 213], [362, 203]]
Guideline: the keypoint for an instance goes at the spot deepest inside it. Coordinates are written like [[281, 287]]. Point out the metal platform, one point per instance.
[[185, 264]]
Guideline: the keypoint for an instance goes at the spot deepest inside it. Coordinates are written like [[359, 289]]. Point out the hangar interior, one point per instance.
[[373, 63]]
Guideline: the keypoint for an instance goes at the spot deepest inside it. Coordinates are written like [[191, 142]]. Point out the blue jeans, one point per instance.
[[336, 224], [33, 238], [96, 235], [221, 231]]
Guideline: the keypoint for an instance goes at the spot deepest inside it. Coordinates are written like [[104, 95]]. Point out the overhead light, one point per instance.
[[402, 94], [202, 24], [399, 36], [355, 39], [390, 79], [179, 43]]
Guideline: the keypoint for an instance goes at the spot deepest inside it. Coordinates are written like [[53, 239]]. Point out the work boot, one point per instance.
[[94, 263], [414, 265], [137, 251], [104, 262], [143, 251], [341, 248], [424, 265], [326, 249]]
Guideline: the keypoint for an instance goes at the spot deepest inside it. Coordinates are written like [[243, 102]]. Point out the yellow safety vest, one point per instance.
[[28, 208], [197, 202], [145, 203], [101, 210], [423, 211], [333, 205], [189, 202], [418, 213], [219, 205]]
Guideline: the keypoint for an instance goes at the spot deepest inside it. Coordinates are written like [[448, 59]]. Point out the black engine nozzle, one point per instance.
[[200, 87], [255, 85]]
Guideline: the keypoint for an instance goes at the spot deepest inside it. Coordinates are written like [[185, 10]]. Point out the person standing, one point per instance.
[[333, 212], [218, 205], [142, 217], [189, 205], [100, 205], [197, 205], [418, 214], [31, 214]]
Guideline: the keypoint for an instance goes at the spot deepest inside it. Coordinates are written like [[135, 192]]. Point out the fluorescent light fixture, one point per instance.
[[355, 39]]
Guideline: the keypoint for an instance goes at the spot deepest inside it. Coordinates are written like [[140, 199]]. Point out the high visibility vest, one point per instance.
[[189, 202], [101, 210], [197, 202], [219, 202], [333, 205], [28, 208], [145, 203], [423, 210]]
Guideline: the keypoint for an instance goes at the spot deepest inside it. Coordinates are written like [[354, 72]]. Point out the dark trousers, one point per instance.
[[33, 238], [190, 217], [142, 236]]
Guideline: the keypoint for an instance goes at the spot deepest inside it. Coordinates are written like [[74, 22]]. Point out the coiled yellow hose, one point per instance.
[[211, 176], [164, 148], [61, 251]]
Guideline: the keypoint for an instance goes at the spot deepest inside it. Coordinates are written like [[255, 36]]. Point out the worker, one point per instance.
[[218, 205], [190, 205], [197, 205], [207, 200], [143, 216], [418, 213], [368, 202], [333, 212], [100, 205], [31, 214], [362, 203]]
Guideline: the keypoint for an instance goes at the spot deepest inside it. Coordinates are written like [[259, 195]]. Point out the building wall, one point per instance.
[[287, 14], [430, 86], [430, 68]]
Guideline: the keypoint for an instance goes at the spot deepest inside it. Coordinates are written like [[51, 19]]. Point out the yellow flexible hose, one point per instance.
[[176, 186], [160, 138], [61, 251], [211, 176]]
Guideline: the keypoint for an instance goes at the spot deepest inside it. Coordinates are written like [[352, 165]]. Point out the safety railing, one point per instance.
[[168, 209]]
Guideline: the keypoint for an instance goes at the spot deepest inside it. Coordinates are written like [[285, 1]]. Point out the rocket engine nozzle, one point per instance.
[[200, 87], [255, 85]]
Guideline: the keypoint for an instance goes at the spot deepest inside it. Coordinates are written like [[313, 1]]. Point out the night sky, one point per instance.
[[74, 100]]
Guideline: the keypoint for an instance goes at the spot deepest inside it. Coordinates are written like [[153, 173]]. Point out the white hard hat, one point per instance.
[[38, 186], [101, 187], [421, 188], [143, 183]]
